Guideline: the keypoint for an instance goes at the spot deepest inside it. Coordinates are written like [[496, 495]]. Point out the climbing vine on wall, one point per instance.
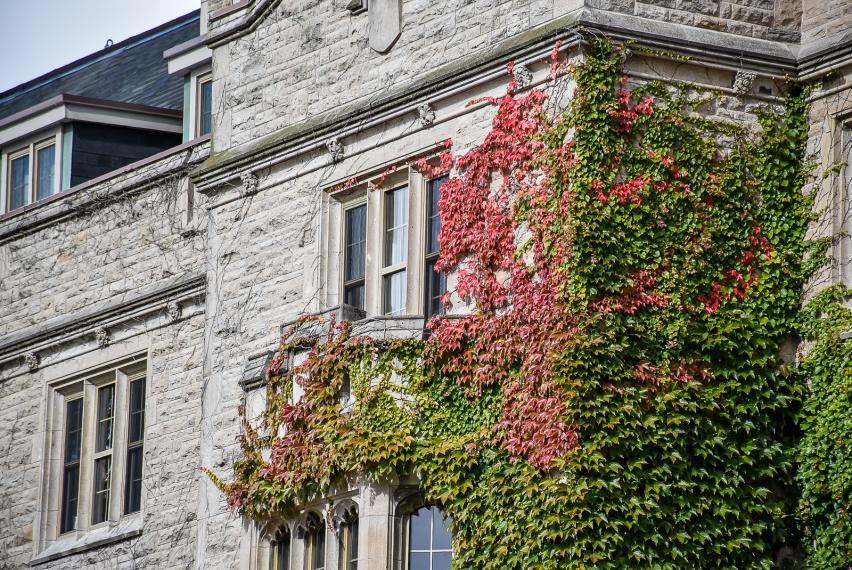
[[616, 397]]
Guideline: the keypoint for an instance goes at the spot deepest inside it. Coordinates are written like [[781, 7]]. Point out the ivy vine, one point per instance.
[[616, 398]]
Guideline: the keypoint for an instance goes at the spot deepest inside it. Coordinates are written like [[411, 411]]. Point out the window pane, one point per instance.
[[71, 470], [433, 218], [418, 561], [354, 295], [206, 106], [396, 226], [136, 424], [420, 528], [355, 242], [436, 286], [353, 546], [282, 552], [440, 531], [19, 181], [394, 293], [106, 405], [442, 560], [318, 548], [73, 430], [45, 160], [133, 481], [100, 502]]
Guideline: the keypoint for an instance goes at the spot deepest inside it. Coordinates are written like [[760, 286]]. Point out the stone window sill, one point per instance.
[[124, 529]]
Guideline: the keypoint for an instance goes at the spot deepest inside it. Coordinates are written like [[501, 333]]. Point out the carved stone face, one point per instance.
[[102, 336]]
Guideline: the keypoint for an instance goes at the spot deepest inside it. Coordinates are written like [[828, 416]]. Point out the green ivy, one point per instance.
[[680, 297]]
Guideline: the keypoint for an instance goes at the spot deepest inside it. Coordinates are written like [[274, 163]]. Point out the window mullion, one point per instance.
[[119, 445], [87, 456]]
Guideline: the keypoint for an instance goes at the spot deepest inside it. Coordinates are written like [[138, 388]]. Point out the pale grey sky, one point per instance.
[[37, 36]]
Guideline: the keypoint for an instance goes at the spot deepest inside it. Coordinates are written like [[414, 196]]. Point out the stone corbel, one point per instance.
[[173, 311], [522, 75], [743, 82], [385, 20], [427, 115], [335, 149], [32, 360], [102, 337], [249, 184]]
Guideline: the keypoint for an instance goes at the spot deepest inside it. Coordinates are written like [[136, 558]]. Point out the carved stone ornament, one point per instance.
[[743, 82], [335, 148], [32, 361], [174, 311], [522, 75], [427, 115], [102, 337], [250, 182]]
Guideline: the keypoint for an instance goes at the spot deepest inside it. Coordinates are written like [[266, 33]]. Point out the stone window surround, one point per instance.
[[60, 381], [36, 141], [338, 202]]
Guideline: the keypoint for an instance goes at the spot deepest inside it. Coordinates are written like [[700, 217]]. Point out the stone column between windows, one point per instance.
[[374, 526]]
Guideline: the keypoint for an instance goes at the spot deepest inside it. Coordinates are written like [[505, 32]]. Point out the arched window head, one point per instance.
[[348, 537], [314, 543], [281, 550], [429, 540]]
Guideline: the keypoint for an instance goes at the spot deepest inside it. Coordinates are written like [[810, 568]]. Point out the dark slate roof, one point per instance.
[[131, 71]]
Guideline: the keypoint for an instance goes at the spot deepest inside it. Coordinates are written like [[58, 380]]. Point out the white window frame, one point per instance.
[[51, 541], [372, 192], [29, 147]]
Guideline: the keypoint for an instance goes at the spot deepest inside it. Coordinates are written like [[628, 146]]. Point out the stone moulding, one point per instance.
[[52, 334]]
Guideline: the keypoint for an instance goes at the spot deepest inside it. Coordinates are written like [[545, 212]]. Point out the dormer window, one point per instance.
[[31, 173], [205, 104]]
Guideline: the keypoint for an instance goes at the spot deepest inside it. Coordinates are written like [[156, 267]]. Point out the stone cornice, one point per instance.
[[99, 317], [651, 39]]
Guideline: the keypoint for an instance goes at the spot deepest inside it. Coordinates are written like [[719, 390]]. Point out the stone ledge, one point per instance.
[[122, 530]]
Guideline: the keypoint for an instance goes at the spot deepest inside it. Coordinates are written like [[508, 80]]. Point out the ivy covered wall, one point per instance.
[[616, 398]]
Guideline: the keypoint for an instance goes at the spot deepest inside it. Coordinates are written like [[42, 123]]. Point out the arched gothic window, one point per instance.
[[281, 550], [348, 536], [314, 543]]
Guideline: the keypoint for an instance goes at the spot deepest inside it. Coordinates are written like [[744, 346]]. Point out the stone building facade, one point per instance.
[[180, 269]]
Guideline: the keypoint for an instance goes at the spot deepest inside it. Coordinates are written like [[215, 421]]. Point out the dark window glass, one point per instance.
[[206, 107], [106, 411], [436, 282], [394, 293], [429, 540], [316, 545], [354, 255], [45, 162], [100, 501], [103, 464], [349, 545], [281, 552], [135, 437], [19, 181], [71, 467]]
